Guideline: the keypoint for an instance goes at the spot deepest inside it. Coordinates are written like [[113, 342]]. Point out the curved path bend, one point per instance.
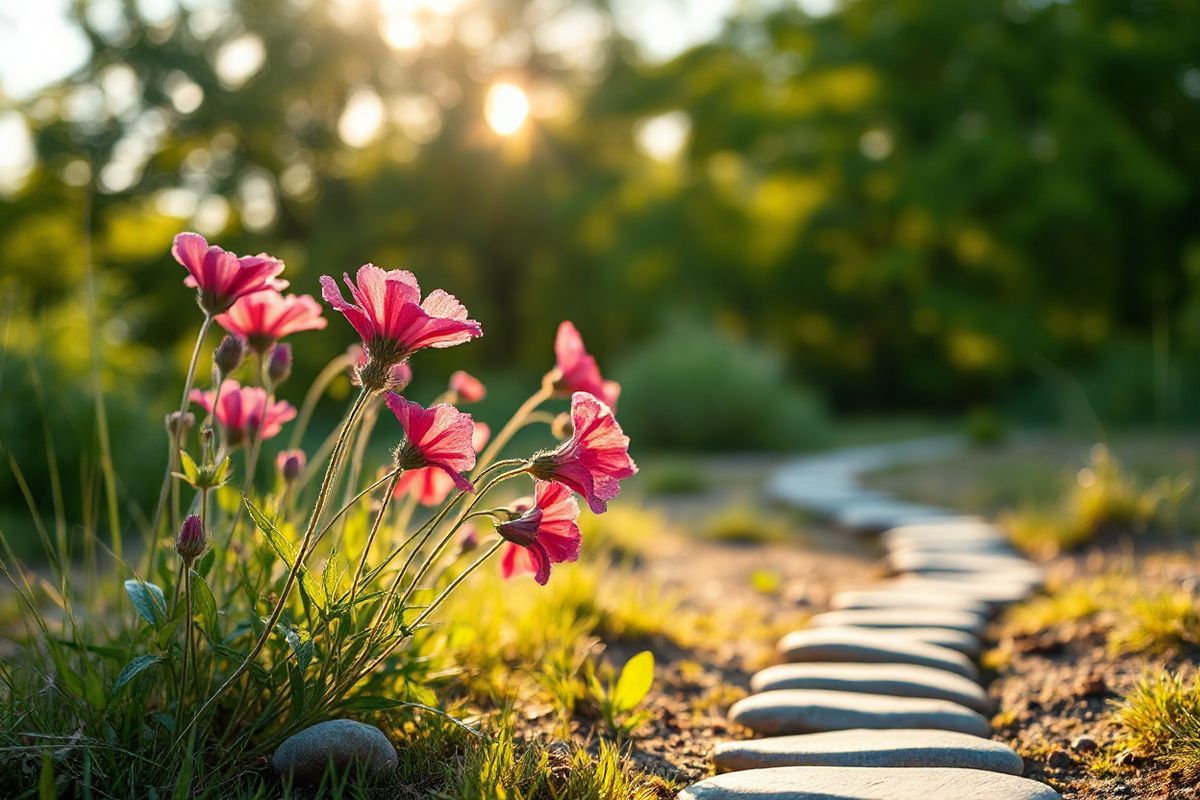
[[879, 699]]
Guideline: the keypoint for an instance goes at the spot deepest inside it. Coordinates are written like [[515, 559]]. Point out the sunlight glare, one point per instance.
[[506, 108]]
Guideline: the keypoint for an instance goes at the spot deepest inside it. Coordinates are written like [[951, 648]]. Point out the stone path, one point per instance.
[[879, 698]]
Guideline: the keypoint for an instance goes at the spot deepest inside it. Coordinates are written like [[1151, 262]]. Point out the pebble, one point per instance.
[[888, 618], [341, 742], [867, 783], [785, 711], [902, 680], [891, 598], [1060, 759], [1084, 744], [861, 645], [910, 747]]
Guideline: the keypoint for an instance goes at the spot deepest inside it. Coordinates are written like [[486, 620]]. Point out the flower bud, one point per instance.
[[191, 541], [291, 463], [280, 365], [229, 354], [179, 425], [469, 540], [468, 388]]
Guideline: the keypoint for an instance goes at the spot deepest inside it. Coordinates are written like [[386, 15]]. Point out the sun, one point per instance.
[[506, 108]]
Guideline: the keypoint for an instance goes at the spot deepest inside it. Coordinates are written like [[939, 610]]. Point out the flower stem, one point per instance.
[[318, 387], [301, 554], [513, 425], [173, 452]]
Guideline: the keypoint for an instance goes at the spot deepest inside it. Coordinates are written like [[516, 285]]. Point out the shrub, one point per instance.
[[694, 387]]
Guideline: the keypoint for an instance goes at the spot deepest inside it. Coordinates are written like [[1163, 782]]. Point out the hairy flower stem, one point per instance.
[[437, 601], [187, 639], [302, 553], [174, 438], [515, 423]]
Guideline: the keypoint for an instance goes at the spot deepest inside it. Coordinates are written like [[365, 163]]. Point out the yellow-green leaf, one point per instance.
[[634, 684]]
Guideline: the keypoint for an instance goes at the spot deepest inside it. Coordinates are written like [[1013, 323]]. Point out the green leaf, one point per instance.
[[286, 553], [134, 668], [148, 599], [371, 703], [191, 472], [634, 684], [302, 645], [204, 566], [203, 602]]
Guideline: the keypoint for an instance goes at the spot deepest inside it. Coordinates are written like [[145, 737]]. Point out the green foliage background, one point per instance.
[[917, 204]]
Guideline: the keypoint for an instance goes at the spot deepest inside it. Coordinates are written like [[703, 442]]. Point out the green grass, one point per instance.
[[1160, 719], [1134, 618], [746, 523]]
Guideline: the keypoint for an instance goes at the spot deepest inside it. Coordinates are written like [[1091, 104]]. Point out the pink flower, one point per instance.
[[578, 371], [594, 460], [393, 321], [243, 410], [438, 437], [545, 534], [220, 277], [264, 318], [432, 485], [468, 388]]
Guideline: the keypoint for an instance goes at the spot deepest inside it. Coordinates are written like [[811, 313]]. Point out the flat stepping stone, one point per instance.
[[880, 515], [896, 598], [889, 618], [867, 783], [784, 711], [961, 641], [865, 646], [900, 680], [867, 748], [994, 591], [944, 533], [924, 562]]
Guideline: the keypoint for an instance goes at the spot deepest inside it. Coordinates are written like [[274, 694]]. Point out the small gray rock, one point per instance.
[[994, 591], [890, 618], [786, 711], [344, 743], [900, 680], [867, 748], [867, 783], [863, 646]]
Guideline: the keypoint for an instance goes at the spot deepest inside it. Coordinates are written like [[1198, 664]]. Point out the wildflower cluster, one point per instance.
[[394, 545]]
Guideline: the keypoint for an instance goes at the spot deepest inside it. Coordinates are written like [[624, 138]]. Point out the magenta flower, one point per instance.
[[263, 318], [577, 370], [393, 321], [468, 388], [221, 277], [191, 540], [438, 437], [243, 411], [594, 460], [432, 485], [545, 534]]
